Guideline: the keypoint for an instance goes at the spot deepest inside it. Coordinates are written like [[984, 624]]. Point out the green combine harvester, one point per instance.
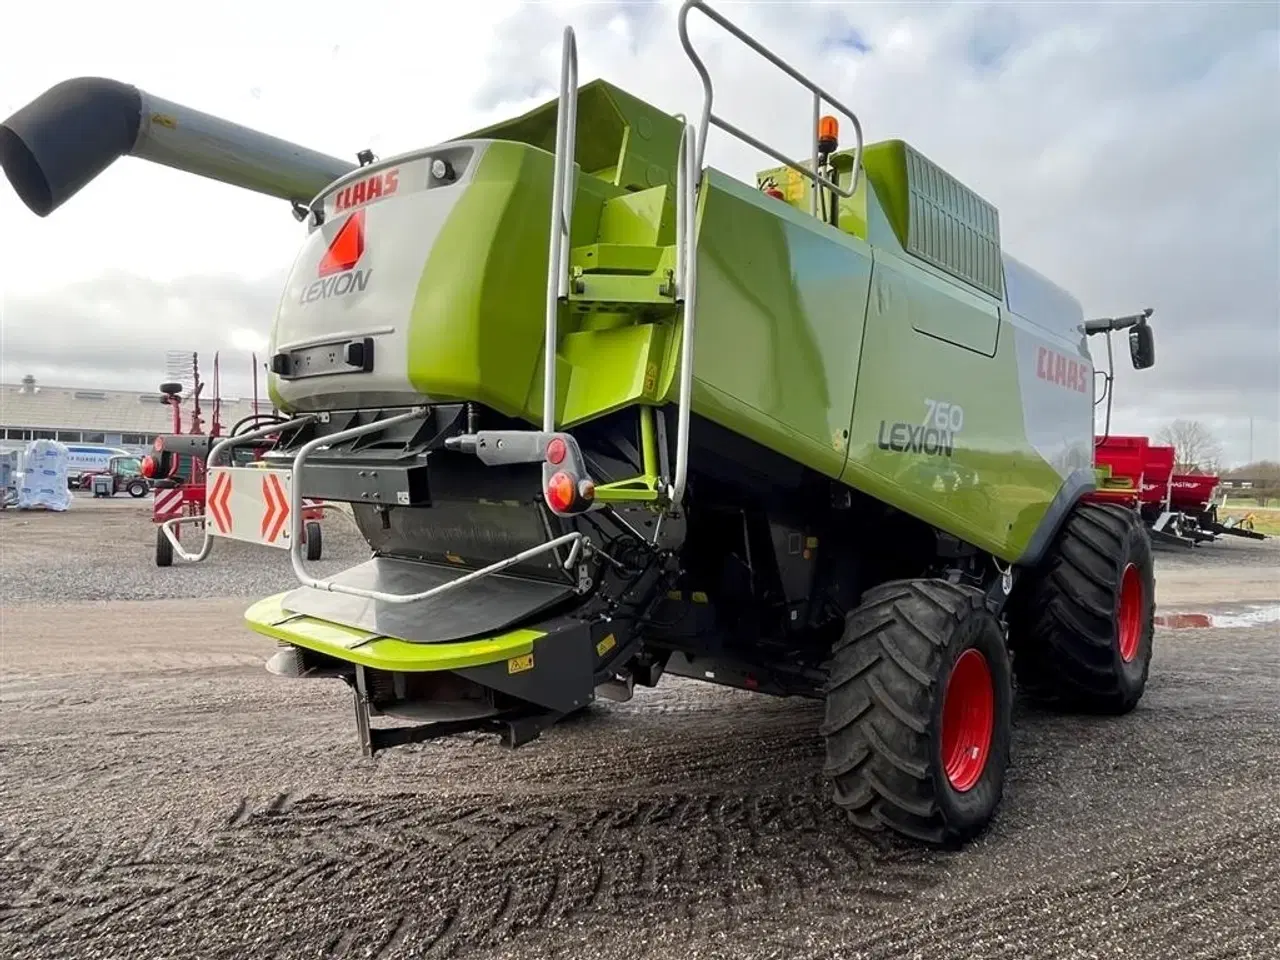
[[816, 436]]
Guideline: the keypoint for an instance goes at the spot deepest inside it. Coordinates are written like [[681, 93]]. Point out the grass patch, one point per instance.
[[1265, 519]]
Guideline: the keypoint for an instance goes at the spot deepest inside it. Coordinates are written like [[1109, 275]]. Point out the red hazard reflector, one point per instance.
[[346, 248], [555, 450]]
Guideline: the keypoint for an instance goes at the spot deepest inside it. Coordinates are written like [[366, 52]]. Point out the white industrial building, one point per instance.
[[129, 419]]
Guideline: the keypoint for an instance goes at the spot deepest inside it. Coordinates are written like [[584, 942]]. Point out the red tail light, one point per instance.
[[556, 450], [148, 467], [561, 492]]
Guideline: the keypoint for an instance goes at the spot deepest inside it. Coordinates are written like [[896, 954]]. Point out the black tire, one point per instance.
[[138, 488], [164, 549], [888, 679], [1081, 625], [315, 540]]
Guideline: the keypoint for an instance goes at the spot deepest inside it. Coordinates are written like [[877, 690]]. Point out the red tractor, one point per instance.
[[123, 475]]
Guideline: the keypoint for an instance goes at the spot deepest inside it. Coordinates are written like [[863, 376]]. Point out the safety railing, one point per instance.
[[574, 539], [819, 97], [297, 511], [687, 175], [562, 194]]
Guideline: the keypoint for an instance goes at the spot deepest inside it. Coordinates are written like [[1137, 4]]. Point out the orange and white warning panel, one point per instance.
[[249, 504]]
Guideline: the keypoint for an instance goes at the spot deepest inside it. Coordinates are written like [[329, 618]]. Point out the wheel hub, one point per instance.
[[968, 719], [1129, 614]]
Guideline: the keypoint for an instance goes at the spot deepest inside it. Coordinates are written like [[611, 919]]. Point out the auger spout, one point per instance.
[[51, 148]]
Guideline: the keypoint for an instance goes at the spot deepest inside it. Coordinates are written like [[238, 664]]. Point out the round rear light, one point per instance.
[[556, 450], [561, 491], [148, 467]]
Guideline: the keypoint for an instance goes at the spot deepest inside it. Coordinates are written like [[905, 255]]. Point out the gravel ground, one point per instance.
[[163, 796], [51, 558]]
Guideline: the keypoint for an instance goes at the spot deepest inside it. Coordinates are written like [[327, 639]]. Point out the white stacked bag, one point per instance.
[[44, 477]]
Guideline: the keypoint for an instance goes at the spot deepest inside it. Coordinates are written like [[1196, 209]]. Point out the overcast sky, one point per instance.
[[1133, 151]]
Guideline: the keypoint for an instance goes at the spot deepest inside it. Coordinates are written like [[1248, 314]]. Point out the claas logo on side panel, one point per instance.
[[338, 273]]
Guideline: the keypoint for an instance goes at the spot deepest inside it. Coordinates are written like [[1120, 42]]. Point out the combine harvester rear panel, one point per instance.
[[818, 436]]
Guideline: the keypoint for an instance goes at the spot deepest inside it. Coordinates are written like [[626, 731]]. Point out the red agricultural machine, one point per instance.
[[1177, 508], [176, 465]]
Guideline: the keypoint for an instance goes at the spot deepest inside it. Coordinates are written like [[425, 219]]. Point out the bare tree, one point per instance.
[[1196, 448]]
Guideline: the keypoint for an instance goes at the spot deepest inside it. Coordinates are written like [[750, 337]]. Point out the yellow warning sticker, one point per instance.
[[650, 377], [520, 664], [698, 597], [605, 645]]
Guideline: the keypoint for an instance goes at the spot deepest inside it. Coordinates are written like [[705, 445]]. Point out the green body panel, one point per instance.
[[477, 323], [269, 618], [809, 337], [620, 139], [780, 307], [994, 488]]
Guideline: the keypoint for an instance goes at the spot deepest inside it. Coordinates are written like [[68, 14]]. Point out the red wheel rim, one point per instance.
[[1129, 616], [968, 717]]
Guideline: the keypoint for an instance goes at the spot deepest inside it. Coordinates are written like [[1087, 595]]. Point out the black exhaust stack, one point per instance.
[[73, 131]]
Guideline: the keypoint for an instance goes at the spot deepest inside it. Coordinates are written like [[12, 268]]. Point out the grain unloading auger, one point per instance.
[[820, 436]]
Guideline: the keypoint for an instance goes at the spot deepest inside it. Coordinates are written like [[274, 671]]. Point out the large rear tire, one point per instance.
[[1081, 625], [918, 712]]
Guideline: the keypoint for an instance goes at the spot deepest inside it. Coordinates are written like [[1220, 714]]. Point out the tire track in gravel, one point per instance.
[[476, 876], [1132, 904], [212, 812]]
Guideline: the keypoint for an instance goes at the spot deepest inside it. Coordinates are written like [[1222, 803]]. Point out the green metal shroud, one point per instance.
[[882, 353]]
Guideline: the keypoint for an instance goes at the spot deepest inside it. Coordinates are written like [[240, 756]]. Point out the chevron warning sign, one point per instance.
[[216, 506], [275, 512], [250, 504]]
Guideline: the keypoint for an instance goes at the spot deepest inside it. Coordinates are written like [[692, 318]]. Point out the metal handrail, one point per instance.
[[295, 527], [819, 95], [561, 217], [687, 177], [207, 544]]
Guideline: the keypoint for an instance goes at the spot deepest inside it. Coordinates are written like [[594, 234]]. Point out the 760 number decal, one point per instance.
[[942, 415]]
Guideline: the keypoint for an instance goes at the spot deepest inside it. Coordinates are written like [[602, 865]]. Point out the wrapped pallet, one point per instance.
[[44, 478]]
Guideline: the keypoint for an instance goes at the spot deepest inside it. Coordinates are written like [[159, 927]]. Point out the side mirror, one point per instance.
[[1142, 346]]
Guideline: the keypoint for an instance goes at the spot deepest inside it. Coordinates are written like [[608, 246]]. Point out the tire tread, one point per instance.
[[1062, 624], [880, 701]]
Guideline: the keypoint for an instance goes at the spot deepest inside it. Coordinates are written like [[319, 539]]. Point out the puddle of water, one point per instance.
[[1269, 613]]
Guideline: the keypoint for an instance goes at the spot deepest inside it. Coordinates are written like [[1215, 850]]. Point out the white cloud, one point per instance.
[[1132, 151]]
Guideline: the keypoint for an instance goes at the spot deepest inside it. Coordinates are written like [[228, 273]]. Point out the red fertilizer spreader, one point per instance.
[[1178, 508]]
